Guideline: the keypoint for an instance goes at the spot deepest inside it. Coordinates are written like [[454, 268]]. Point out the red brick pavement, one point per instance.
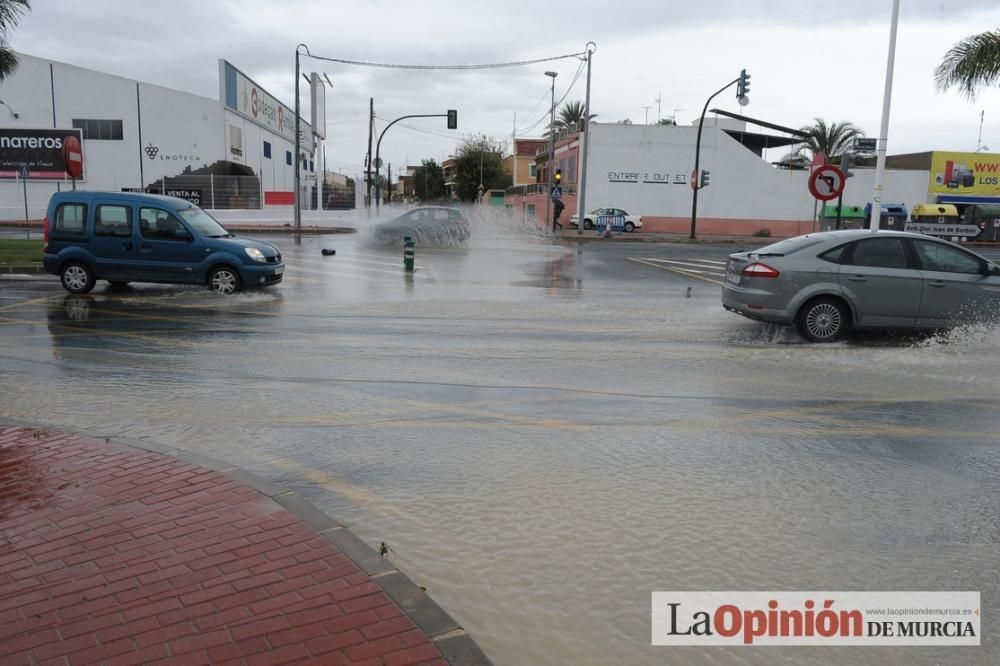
[[115, 555]]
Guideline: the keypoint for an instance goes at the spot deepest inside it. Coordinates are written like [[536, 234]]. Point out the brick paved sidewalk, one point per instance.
[[113, 554]]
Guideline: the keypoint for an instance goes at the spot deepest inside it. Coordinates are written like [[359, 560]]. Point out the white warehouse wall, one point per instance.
[[179, 129], [744, 194]]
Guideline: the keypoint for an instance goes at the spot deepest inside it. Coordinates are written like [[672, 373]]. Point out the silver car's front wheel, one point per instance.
[[823, 320]]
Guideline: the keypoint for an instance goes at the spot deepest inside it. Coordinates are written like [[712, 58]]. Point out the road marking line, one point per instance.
[[678, 271], [40, 299], [684, 263]]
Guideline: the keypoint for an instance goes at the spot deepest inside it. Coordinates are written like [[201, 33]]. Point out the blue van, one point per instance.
[[125, 237]]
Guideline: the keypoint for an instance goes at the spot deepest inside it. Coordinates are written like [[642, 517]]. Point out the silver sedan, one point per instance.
[[827, 284]]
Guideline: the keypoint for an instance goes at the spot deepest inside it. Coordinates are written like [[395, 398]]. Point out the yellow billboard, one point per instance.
[[965, 174]]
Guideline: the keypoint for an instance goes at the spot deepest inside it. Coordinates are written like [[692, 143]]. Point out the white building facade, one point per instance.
[[234, 151], [646, 169]]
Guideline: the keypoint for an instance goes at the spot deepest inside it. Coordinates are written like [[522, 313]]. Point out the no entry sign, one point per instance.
[[73, 156], [826, 182]]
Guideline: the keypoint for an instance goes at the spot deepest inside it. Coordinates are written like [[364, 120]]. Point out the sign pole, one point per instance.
[[883, 134], [24, 181]]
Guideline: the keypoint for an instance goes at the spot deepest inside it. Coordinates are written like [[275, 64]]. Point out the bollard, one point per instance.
[[408, 254]]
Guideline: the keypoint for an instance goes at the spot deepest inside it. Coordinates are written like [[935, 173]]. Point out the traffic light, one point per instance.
[[558, 176], [743, 85], [452, 119], [705, 177]]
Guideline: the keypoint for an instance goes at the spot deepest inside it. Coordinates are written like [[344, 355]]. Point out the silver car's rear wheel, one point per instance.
[[823, 320]]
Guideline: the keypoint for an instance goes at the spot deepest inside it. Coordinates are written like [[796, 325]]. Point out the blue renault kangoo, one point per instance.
[[126, 237]]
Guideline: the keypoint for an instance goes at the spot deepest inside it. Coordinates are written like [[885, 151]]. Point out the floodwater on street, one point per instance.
[[545, 433]]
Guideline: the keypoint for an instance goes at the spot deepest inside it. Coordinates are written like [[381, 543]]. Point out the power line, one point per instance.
[[545, 116], [497, 65]]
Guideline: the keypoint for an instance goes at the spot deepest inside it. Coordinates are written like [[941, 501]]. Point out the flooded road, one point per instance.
[[545, 434]]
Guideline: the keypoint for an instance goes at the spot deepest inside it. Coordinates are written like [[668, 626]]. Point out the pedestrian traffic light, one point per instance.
[[558, 176], [452, 119], [705, 177], [743, 85]]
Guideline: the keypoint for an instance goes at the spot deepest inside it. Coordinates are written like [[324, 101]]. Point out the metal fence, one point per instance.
[[536, 188], [211, 191]]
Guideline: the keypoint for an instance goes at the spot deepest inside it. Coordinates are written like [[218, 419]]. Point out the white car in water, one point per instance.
[[632, 222]]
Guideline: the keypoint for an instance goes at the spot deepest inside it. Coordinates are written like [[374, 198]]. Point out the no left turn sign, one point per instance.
[[826, 182]]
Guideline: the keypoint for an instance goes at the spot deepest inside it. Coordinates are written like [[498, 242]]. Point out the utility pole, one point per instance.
[[659, 98], [646, 121], [297, 215], [368, 161], [552, 154], [582, 188], [388, 181]]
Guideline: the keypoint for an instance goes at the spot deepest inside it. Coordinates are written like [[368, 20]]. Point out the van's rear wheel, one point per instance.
[[76, 278], [225, 280]]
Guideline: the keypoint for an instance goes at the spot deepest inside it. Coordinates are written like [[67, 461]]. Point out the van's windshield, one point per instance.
[[203, 223]]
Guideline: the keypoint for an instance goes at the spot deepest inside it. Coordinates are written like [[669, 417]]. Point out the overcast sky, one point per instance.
[[807, 59]]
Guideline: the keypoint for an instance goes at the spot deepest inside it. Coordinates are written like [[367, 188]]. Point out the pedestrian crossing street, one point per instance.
[[708, 270]]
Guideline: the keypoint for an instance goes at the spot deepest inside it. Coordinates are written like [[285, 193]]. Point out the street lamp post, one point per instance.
[[552, 151]]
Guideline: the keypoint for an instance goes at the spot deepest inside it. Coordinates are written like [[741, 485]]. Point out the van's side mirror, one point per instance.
[[990, 269], [183, 234]]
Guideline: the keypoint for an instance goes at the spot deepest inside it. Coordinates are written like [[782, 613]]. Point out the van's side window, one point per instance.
[[158, 224], [113, 221], [71, 218]]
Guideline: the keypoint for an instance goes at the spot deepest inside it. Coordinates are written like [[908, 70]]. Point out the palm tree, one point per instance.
[[10, 14], [570, 114], [970, 64], [833, 140]]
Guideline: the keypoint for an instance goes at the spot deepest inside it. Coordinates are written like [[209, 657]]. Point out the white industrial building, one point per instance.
[[234, 151]]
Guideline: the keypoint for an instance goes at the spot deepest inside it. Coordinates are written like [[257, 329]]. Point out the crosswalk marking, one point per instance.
[[707, 270]]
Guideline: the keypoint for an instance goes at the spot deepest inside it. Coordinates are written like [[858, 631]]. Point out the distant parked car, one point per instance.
[[632, 222], [427, 225], [129, 237], [829, 283]]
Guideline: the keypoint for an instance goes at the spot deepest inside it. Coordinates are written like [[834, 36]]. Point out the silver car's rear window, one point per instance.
[[789, 245]]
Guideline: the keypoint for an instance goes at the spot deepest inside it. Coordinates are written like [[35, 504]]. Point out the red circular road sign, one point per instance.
[[73, 156], [827, 182]]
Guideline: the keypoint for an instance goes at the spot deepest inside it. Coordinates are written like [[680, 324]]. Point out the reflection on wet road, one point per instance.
[[545, 437]]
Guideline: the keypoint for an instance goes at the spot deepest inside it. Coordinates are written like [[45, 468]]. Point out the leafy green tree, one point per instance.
[[10, 14], [428, 181], [479, 160], [971, 64]]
